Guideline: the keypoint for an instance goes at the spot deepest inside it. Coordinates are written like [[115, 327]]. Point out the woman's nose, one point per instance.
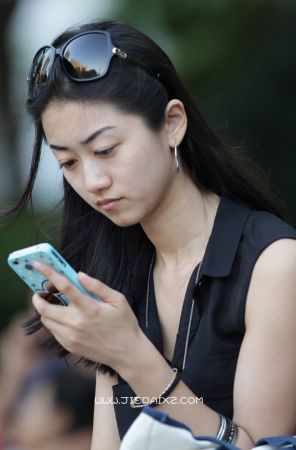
[[96, 179]]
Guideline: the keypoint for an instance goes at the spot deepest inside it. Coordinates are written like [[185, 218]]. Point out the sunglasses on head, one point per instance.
[[85, 57]]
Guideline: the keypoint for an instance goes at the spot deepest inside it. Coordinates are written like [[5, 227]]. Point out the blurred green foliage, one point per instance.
[[22, 232], [14, 295]]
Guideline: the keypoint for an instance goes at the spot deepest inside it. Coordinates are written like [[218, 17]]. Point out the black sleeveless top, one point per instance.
[[238, 237]]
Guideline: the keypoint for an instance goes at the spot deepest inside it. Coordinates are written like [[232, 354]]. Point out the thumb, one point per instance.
[[98, 288]]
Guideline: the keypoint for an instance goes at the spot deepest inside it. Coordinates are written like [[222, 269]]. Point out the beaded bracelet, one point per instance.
[[228, 431], [137, 402]]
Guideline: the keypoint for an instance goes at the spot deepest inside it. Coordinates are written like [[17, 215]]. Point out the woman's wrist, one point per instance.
[[145, 369]]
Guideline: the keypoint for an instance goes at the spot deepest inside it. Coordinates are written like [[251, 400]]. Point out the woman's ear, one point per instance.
[[175, 122]]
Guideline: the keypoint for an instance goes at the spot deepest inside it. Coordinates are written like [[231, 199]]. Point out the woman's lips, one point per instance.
[[109, 203]]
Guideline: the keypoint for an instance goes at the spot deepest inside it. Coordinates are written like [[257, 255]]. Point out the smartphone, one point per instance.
[[21, 261]]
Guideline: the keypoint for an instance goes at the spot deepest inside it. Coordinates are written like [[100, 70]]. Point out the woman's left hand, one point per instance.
[[102, 331]]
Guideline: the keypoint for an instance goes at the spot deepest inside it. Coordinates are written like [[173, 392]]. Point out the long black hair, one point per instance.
[[90, 241]]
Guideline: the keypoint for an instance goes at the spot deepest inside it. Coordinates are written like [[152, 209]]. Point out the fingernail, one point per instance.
[[84, 275], [35, 299], [38, 265]]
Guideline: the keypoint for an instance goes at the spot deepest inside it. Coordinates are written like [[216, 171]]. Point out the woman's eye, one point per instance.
[[67, 164], [105, 152]]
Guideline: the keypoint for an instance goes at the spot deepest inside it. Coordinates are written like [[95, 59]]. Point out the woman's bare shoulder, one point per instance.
[[273, 279], [265, 383]]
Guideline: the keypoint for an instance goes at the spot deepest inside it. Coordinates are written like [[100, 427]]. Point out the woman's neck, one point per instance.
[[181, 227]]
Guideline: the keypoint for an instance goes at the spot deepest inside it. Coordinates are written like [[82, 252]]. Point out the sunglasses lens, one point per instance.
[[41, 68], [87, 57]]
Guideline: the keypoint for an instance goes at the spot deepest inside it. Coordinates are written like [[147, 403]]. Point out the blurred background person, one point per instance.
[[44, 403], [19, 358], [55, 412]]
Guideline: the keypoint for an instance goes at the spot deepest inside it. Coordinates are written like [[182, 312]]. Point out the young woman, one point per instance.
[[179, 236]]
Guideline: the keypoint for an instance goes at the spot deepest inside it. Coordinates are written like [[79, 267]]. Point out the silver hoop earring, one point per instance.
[[176, 158]]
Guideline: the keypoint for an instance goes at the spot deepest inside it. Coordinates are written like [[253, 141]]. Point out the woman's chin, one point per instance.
[[123, 220]]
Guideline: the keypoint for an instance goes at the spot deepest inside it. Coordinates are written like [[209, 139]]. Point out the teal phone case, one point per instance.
[[21, 261]]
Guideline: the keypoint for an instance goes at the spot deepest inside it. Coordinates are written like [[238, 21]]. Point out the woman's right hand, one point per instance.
[[102, 331]]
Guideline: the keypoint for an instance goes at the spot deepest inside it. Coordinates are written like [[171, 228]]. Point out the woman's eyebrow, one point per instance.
[[85, 141]]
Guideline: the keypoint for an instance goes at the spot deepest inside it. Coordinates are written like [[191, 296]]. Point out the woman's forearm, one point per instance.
[[149, 374]]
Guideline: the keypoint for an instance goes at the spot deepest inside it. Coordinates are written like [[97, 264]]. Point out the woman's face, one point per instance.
[[118, 165]]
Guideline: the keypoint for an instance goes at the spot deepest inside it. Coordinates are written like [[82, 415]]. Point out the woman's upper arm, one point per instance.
[[265, 380], [105, 432]]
